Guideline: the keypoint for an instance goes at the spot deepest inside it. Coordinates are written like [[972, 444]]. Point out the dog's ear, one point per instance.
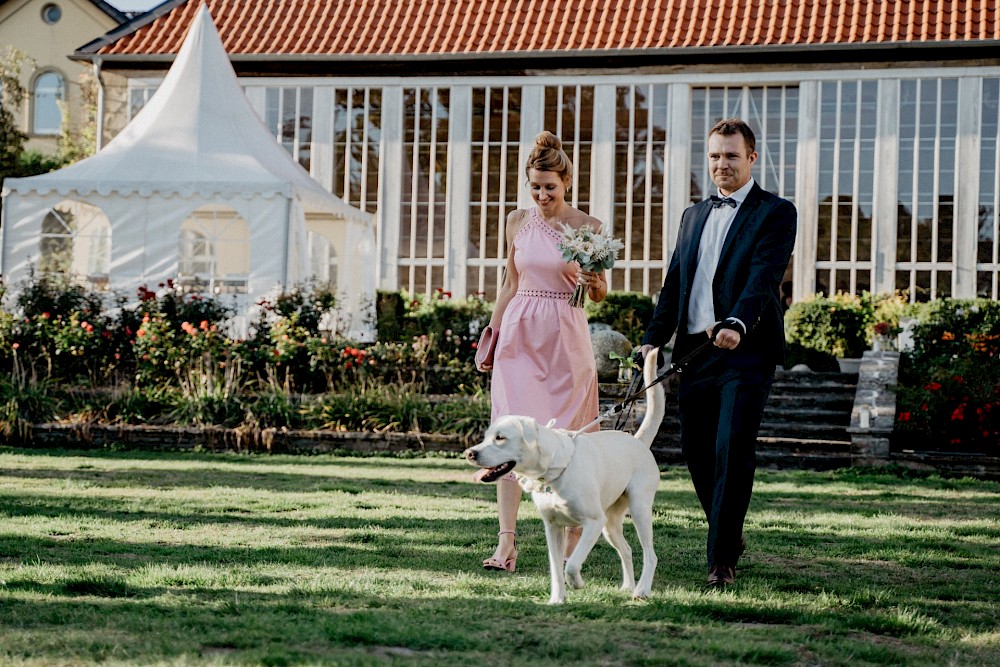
[[529, 430]]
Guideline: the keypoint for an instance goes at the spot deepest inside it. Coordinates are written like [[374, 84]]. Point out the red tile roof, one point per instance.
[[387, 28]]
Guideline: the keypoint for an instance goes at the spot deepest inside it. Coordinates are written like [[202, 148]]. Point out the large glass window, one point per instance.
[[288, 113], [423, 211], [496, 132], [357, 131], [569, 113], [772, 112], [988, 238], [928, 114], [844, 252], [640, 187], [50, 90]]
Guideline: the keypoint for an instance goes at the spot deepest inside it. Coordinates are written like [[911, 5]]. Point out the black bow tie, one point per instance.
[[722, 201]]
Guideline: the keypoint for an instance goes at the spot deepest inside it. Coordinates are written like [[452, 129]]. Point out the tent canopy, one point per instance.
[[194, 184]]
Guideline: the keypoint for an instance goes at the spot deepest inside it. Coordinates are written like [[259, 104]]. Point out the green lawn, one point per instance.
[[149, 558]]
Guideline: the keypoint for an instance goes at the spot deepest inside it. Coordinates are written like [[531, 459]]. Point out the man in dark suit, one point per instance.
[[723, 281]]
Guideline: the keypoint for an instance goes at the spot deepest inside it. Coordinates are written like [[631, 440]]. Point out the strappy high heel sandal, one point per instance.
[[494, 563]]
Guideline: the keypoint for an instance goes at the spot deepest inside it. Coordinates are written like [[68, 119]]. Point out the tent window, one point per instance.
[[76, 240], [214, 252], [322, 260], [49, 91], [196, 254]]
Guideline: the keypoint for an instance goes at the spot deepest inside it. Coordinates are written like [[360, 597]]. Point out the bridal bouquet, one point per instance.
[[593, 251]]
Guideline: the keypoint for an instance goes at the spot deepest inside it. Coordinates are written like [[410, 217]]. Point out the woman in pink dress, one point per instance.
[[543, 366]]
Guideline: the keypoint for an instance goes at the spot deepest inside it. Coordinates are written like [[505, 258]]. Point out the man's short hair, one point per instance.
[[730, 126]]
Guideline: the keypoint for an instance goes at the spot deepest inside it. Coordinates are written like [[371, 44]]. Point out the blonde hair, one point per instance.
[[548, 155]]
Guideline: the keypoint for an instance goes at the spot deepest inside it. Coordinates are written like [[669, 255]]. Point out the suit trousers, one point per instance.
[[720, 412]]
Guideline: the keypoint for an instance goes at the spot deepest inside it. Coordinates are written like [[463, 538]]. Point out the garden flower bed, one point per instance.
[[78, 364]]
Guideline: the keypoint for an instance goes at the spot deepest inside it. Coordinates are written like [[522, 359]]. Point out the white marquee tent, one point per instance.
[[195, 189]]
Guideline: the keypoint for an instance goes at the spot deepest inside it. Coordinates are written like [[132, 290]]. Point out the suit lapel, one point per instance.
[[744, 225]]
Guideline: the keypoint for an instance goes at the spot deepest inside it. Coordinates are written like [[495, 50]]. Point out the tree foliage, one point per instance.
[[12, 139]]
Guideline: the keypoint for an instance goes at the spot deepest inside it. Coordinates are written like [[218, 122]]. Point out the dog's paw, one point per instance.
[[641, 593], [573, 578], [555, 599], [627, 586]]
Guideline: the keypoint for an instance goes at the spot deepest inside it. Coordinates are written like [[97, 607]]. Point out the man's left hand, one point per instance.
[[727, 339]]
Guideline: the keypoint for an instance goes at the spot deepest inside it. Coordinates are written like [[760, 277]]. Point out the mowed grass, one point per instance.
[[163, 558]]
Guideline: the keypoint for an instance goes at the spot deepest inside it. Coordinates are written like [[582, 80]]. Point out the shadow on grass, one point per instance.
[[335, 622]]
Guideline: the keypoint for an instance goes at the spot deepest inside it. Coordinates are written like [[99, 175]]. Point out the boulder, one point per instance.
[[604, 342]]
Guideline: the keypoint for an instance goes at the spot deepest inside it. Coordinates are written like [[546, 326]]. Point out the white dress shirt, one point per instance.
[[701, 308]]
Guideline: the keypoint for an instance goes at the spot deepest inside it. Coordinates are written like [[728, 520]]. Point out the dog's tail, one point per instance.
[[655, 401]]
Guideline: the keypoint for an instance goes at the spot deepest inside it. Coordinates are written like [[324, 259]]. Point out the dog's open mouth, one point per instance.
[[487, 475]]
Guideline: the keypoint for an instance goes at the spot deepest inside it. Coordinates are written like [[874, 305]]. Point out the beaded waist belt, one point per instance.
[[543, 294]]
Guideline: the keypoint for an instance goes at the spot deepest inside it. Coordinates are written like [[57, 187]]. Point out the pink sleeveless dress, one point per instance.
[[543, 366]]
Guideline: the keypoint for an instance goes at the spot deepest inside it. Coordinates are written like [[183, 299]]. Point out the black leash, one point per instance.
[[633, 394]]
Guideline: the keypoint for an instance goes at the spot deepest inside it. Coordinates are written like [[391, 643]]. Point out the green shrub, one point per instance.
[[628, 313], [390, 309], [834, 325]]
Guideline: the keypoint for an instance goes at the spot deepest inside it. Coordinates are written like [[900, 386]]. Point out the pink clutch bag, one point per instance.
[[487, 345]]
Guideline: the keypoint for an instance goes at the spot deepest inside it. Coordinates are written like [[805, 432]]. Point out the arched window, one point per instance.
[[49, 90], [76, 240], [214, 251]]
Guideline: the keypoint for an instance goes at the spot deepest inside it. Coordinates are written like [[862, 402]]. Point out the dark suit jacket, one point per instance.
[[754, 256]]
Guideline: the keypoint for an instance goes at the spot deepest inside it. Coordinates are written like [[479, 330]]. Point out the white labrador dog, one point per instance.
[[588, 480]]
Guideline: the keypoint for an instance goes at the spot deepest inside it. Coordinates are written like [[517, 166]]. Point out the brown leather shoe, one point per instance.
[[721, 575]]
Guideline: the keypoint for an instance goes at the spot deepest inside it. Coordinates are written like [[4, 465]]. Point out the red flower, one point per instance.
[[933, 386], [958, 379], [905, 416]]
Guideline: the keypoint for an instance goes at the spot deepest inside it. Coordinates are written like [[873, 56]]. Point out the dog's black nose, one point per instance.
[[470, 454]]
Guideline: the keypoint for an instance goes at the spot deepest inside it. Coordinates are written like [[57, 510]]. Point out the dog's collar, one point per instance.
[[548, 480]]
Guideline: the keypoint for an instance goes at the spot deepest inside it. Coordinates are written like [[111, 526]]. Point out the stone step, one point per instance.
[[804, 431], [800, 388], [789, 444], [785, 413], [776, 452], [796, 377], [842, 402]]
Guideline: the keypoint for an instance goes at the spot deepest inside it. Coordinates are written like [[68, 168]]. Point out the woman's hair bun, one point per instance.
[[546, 139]]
